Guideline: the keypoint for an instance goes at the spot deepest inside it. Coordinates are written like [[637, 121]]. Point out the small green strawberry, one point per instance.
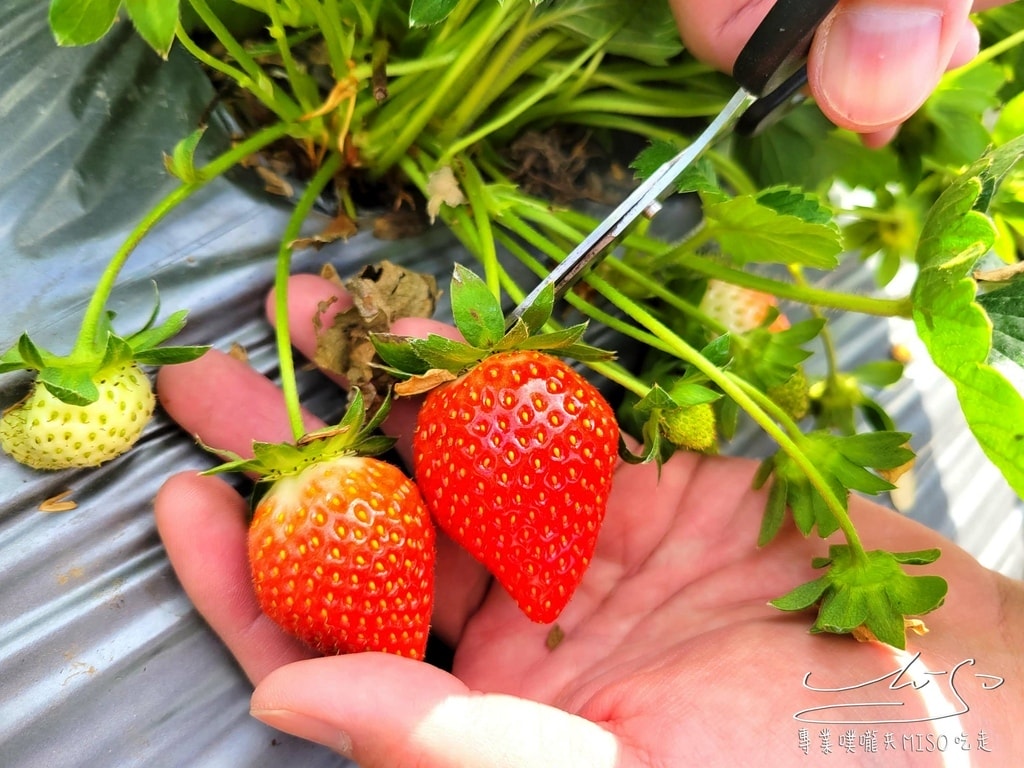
[[792, 396], [341, 546], [740, 309], [514, 452], [92, 405], [44, 432], [691, 427]]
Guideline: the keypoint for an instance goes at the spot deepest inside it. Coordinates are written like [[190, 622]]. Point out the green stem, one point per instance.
[[728, 384], [805, 294], [479, 202], [255, 79], [996, 49], [413, 124], [87, 343], [282, 334], [527, 100], [483, 91]]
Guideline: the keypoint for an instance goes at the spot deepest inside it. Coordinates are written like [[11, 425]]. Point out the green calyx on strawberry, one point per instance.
[[92, 405], [341, 545], [514, 450]]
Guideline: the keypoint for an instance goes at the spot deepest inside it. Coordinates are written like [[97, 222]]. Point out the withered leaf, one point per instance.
[[417, 385], [381, 293], [341, 227]]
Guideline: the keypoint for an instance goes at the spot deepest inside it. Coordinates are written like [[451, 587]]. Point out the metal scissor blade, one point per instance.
[[643, 199]]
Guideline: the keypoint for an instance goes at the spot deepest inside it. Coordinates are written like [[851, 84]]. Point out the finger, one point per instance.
[[225, 403], [203, 524], [873, 63], [388, 711]]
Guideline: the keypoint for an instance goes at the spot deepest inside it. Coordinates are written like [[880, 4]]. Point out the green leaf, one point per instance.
[[953, 326], [555, 340], [1010, 123], [771, 358], [920, 557], [957, 107], [423, 13], [644, 31], [153, 336], [539, 312], [774, 512], [879, 373], [751, 232], [476, 310], [117, 352], [81, 22], [1005, 308], [170, 355], [398, 353], [155, 21], [699, 177], [441, 352], [73, 386], [802, 597], [181, 162], [685, 394], [30, 354], [791, 201], [882, 450], [656, 399]]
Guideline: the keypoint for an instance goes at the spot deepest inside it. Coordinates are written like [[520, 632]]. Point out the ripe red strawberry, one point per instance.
[[342, 557], [740, 309], [513, 450], [342, 546], [515, 461]]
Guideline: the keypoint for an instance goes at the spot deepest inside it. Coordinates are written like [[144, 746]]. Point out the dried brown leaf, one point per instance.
[[381, 293], [417, 385]]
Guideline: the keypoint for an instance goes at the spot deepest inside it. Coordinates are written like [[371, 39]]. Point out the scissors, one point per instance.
[[771, 70]]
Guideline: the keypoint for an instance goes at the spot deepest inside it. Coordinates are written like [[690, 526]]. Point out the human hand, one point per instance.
[[671, 655], [872, 64]]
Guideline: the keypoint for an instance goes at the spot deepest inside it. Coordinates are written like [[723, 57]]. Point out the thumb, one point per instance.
[[873, 63], [384, 710]]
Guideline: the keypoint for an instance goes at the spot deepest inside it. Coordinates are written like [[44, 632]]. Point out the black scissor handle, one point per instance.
[[773, 106], [778, 47]]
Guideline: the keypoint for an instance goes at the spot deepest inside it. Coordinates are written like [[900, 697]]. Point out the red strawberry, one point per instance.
[[740, 309], [342, 546], [515, 461], [342, 557]]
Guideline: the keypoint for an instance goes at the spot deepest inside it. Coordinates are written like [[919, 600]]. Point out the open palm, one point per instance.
[[669, 654]]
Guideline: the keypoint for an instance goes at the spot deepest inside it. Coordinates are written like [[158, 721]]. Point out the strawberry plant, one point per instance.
[[431, 100]]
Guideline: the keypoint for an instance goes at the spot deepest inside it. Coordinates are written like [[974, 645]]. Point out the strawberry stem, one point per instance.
[[282, 333], [728, 384], [88, 344]]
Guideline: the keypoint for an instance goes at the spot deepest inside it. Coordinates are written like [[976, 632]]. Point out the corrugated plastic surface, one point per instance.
[[103, 661]]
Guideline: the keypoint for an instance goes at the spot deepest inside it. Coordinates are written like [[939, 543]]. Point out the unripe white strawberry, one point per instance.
[[44, 432], [740, 309]]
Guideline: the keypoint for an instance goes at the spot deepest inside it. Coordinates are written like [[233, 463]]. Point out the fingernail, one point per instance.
[[306, 727], [877, 66]]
